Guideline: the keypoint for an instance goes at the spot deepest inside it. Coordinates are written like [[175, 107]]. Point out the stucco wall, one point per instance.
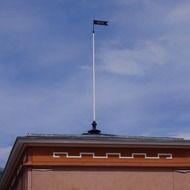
[[107, 178]]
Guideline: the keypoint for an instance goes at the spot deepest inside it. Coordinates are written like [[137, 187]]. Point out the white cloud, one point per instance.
[[135, 61], [180, 14], [170, 45], [120, 62]]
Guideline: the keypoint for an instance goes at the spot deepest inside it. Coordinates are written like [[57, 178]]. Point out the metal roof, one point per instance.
[[106, 137]]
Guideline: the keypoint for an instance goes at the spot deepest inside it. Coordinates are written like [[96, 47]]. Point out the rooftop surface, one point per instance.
[[100, 139], [104, 137]]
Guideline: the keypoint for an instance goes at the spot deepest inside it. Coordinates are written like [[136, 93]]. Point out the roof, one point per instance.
[[100, 140], [86, 140]]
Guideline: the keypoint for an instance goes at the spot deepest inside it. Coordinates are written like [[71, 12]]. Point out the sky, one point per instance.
[[142, 68]]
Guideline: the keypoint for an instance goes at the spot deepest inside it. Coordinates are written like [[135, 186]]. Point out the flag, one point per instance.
[[100, 22]]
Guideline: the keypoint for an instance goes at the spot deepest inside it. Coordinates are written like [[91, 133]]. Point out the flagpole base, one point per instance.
[[94, 131]]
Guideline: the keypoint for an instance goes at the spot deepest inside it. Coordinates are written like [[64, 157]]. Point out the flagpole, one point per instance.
[[94, 130], [93, 75], [94, 124]]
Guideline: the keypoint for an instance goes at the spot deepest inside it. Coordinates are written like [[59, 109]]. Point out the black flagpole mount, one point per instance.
[[94, 130]]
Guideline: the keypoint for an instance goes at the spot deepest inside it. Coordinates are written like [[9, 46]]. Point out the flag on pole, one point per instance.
[[100, 22]]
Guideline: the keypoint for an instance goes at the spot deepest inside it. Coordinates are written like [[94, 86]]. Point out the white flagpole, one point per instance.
[[93, 75], [94, 124]]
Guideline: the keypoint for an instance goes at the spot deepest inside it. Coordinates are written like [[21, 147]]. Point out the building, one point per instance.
[[97, 162]]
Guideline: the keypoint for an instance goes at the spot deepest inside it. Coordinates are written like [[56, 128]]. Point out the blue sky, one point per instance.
[[142, 62]]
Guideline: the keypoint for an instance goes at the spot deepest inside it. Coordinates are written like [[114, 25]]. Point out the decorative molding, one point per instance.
[[167, 156]]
